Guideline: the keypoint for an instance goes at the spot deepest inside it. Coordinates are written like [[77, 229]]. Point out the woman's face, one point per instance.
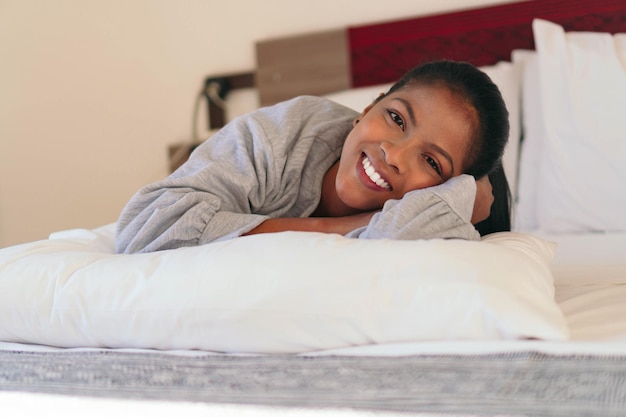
[[414, 138]]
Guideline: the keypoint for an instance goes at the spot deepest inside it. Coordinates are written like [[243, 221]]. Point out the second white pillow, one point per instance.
[[583, 96]]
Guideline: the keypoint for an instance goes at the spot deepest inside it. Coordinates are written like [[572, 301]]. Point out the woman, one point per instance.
[[404, 168]]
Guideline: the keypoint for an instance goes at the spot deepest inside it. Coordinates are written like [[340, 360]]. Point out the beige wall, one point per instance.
[[92, 92]]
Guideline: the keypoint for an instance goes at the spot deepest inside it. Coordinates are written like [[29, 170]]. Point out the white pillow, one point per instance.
[[284, 292], [505, 75], [583, 96], [359, 98], [531, 147]]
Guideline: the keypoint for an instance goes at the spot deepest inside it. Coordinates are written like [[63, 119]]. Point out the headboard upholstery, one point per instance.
[[382, 53], [325, 62]]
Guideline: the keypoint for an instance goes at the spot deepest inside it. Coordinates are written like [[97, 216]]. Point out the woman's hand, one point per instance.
[[483, 201]]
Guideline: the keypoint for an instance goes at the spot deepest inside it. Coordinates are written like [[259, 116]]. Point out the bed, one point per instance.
[[528, 322]]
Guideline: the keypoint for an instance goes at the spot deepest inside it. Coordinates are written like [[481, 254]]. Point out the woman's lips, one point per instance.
[[372, 175]]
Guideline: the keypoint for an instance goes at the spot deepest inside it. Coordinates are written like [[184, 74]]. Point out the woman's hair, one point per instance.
[[490, 136]]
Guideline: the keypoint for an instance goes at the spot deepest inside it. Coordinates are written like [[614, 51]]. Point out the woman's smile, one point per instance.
[[371, 177]]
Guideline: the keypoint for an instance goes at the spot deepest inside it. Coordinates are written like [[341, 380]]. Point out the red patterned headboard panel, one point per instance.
[[382, 53]]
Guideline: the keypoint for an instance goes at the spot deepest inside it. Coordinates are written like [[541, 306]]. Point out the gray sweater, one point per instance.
[[269, 164]]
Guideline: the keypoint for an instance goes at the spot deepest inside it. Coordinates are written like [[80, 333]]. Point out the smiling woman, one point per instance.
[[401, 169], [411, 139]]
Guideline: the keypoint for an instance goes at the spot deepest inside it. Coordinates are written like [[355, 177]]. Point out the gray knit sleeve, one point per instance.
[[443, 211], [269, 163], [217, 187]]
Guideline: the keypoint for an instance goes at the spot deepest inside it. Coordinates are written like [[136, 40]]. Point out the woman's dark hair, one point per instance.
[[500, 218], [490, 136]]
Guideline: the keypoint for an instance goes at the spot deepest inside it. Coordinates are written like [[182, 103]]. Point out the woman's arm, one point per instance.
[[443, 211], [439, 210], [341, 225], [252, 170], [429, 213]]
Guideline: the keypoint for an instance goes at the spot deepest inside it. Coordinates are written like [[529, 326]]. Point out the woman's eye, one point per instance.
[[433, 164], [396, 119]]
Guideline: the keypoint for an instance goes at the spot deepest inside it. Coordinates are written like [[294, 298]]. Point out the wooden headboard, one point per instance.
[[329, 61]]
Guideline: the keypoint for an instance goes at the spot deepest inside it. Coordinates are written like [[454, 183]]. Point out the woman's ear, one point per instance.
[[367, 109], [363, 113]]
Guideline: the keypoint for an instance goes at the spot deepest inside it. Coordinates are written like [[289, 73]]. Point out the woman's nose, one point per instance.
[[395, 154]]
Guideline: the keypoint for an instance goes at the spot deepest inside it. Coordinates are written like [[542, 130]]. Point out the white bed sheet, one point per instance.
[[589, 258], [590, 278]]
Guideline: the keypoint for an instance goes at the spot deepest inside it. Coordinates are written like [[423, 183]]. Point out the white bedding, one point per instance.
[[276, 293], [593, 307], [590, 278]]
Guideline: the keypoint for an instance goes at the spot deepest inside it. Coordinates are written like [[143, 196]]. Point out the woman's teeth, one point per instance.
[[373, 175]]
